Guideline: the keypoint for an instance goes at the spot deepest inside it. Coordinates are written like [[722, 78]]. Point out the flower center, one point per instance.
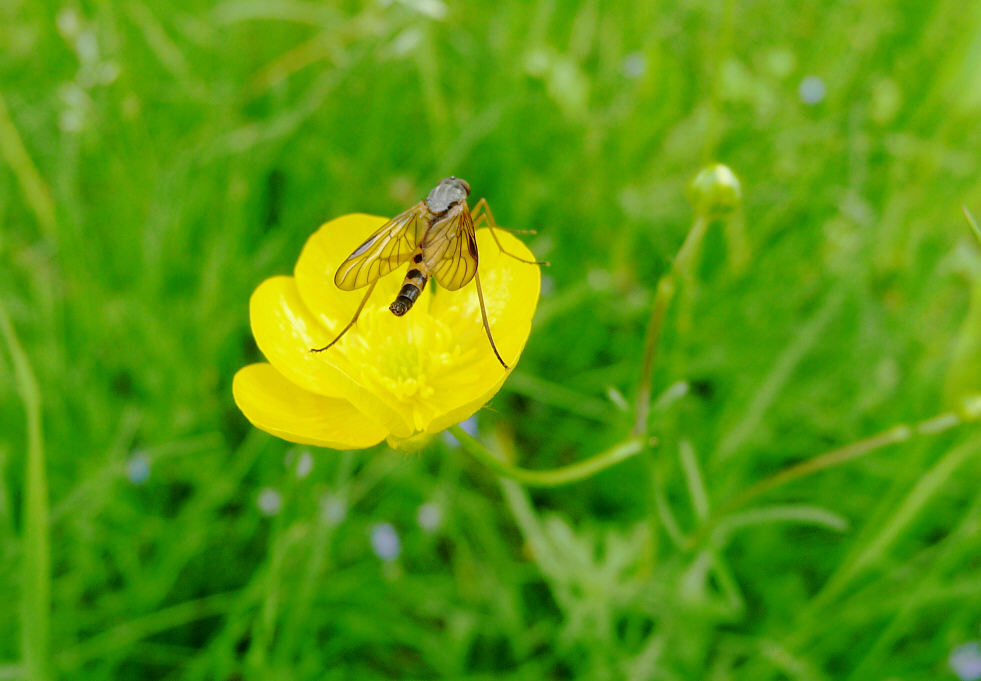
[[398, 356]]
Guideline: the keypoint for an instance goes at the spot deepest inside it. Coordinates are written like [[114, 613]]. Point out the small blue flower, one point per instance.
[[634, 65], [429, 516], [299, 461], [269, 501], [812, 90], [965, 661], [138, 468], [385, 541], [305, 464]]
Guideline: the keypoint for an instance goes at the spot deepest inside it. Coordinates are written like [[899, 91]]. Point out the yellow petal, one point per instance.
[[285, 330], [279, 407]]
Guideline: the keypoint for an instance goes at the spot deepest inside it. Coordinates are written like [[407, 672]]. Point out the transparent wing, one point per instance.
[[450, 249], [382, 252]]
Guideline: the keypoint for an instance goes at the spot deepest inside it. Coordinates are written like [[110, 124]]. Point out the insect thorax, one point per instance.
[[449, 192]]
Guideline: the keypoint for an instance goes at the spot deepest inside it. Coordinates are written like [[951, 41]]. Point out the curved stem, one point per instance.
[[903, 432], [553, 477], [662, 298]]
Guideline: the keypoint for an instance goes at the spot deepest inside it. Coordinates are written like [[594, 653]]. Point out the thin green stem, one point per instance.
[[555, 476], [903, 432], [35, 589], [666, 288]]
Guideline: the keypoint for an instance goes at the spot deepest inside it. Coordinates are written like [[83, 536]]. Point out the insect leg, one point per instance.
[[483, 314], [482, 215], [488, 218], [350, 323]]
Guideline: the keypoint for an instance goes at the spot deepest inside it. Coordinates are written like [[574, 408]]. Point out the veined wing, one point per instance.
[[383, 251], [450, 249]]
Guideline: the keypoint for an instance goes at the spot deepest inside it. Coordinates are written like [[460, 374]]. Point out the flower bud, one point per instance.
[[715, 192]]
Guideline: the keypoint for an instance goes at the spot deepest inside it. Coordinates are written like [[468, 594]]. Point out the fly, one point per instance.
[[437, 236]]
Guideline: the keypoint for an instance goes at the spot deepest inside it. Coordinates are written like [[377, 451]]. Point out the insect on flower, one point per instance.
[[437, 235]]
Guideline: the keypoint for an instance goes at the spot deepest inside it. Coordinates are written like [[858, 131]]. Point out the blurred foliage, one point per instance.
[[160, 159]]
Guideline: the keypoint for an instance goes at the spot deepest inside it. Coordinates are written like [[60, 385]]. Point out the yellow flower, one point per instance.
[[394, 378]]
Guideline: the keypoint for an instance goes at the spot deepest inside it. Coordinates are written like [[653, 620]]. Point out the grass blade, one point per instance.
[[36, 568], [974, 223]]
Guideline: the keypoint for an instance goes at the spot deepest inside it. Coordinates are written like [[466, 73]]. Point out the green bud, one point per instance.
[[715, 192]]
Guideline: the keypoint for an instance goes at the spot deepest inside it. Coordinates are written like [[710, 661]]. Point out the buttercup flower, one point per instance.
[[394, 378]]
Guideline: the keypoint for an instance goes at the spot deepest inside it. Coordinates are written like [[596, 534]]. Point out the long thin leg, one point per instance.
[[350, 323], [483, 314], [482, 211], [479, 214], [481, 220], [484, 215]]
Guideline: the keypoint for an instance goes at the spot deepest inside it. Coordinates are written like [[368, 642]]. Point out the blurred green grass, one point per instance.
[[174, 154]]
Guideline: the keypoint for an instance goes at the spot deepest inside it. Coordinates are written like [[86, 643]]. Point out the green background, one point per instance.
[[159, 160]]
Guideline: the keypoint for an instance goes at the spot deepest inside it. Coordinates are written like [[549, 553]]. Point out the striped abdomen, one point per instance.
[[412, 287]]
